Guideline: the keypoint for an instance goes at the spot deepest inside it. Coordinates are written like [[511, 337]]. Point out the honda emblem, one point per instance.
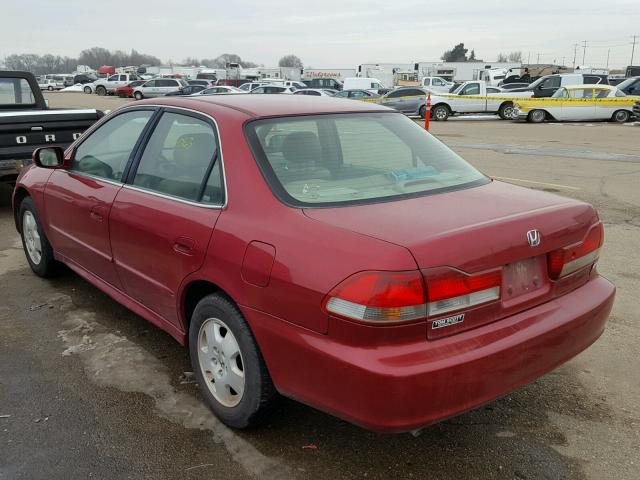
[[533, 237]]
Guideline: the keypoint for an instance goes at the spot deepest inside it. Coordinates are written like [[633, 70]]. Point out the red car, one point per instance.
[[127, 90], [329, 250]]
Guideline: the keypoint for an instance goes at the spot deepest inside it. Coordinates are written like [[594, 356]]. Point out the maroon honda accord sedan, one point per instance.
[[328, 250]]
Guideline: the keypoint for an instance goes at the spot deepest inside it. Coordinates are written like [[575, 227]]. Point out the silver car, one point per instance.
[[218, 90], [408, 100], [158, 87]]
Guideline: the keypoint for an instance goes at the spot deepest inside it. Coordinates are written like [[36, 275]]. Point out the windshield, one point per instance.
[[354, 158], [15, 91]]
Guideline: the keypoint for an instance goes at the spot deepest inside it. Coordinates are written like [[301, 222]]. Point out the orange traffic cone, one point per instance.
[[427, 112]]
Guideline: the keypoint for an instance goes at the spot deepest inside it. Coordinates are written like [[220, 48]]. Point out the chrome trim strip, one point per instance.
[[45, 112]]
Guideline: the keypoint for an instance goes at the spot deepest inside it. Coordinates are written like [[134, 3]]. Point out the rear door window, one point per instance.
[[106, 151], [181, 160]]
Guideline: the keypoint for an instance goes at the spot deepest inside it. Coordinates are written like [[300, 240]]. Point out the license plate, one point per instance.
[[524, 276]]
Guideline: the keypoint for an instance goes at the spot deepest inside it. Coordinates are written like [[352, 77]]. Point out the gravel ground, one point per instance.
[[90, 390]]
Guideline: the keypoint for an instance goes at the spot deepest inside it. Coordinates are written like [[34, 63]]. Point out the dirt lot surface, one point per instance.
[[90, 390]]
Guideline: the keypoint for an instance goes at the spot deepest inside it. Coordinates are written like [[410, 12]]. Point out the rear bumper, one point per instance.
[[396, 388]]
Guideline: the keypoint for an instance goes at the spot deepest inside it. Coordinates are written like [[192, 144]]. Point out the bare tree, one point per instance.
[[290, 61]]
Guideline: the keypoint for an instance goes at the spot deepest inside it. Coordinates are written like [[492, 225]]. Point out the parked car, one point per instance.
[[368, 255], [324, 83], [203, 82], [83, 78], [222, 89], [512, 86], [247, 87], [273, 89], [26, 122], [408, 100], [579, 103], [157, 87], [475, 97], [187, 90], [127, 90], [357, 94], [314, 92], [436, 84], [106, 86], [546, 86], [630, 86], [50, 84]]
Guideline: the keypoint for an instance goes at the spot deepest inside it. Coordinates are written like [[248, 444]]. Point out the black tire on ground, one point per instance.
[[50, 88], [440, 113], [620, 116], [48, 266], [259, 392], [423, 111], [537, 116], [506, 111], [138, 95], [87, 90], [100, 90]]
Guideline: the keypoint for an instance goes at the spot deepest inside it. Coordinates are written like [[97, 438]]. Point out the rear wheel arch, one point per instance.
[[192, 293], [20, 194]]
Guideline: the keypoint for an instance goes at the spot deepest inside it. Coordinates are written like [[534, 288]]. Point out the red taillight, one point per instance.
[[450, 290], [565, 261], [379, 297]]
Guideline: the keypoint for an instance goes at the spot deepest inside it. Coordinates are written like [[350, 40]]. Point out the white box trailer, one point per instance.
[[460, 71]]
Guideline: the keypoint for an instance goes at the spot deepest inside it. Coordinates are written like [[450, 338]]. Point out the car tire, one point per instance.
[[87, 90], [224, 355], [537, 116], [423, 111], [100, 90], [36, 246], [50, 88], [440, 113], [506, 111], [620, 116], [138, 95]]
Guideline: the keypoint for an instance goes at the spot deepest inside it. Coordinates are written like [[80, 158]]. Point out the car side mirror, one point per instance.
[[49, 157]]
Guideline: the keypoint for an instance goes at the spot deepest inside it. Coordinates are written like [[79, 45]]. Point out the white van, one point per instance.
[[362, 83]]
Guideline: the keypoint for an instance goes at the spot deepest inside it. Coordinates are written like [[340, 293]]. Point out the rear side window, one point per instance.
[[181, 160], [106, 151], [15, 91], [354, 158]]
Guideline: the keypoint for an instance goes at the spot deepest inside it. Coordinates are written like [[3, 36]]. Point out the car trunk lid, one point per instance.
[[476, 230]]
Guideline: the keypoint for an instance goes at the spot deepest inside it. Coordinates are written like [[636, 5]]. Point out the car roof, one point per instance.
[[258, 106]]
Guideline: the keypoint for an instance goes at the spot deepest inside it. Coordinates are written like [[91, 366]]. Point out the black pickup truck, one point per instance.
[[27, 122]]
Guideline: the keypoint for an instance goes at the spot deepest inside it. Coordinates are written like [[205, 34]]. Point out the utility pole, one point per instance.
[[538, 61], [584, 50], [608, 52], [633, 48], [575, 52], [529, 59]]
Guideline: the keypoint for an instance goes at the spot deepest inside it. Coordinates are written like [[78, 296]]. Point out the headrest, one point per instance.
[[302, 148]]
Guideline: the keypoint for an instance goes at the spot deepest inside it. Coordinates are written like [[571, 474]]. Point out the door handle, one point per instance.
[[184, 245], [96, 213]]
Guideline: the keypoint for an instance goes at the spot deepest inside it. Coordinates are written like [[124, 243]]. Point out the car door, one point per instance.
[[468, 100], [163, 217], [392, 99], [548, 87], [580, 106], [603, 108], [78, 199]]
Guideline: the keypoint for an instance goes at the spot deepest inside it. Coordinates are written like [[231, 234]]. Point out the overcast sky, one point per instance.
[[325, 33]]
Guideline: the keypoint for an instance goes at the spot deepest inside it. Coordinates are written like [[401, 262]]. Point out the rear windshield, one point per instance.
[[15, 91], [325, 160]]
